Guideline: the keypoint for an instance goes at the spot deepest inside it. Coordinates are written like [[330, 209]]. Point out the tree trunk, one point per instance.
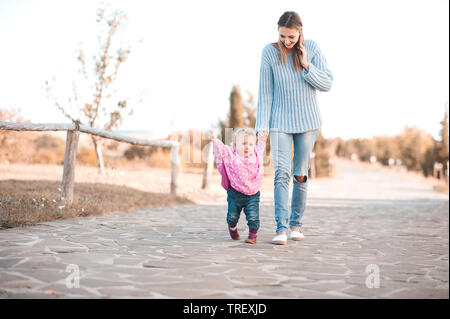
[[98, 152]]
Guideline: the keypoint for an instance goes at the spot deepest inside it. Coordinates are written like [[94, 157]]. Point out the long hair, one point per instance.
[[291, 20]]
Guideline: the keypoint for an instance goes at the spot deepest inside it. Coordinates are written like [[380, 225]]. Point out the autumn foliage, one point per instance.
[[413, 148]]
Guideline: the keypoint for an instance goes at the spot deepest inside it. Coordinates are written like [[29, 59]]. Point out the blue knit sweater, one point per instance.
[[287, 100]]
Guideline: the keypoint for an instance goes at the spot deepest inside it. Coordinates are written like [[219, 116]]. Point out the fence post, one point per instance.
[[175, 168], [208, 167], [70, 157]]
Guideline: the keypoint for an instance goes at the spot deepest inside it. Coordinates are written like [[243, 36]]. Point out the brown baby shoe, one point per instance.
[[252, 236], [234, 232]]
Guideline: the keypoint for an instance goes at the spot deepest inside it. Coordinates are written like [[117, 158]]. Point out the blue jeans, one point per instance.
[[238, 201], [281, 147]]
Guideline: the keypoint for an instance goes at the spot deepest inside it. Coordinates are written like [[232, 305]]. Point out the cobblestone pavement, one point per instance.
[[362, 228]]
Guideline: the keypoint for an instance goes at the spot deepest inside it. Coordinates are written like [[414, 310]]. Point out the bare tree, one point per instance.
[[93, 100]]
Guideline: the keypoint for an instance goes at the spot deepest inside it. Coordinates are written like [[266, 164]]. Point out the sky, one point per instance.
[[390, 59]]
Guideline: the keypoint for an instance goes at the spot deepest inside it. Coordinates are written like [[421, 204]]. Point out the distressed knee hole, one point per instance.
[[301, 179]]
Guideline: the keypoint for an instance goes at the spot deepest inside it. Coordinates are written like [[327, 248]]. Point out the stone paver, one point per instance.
[[362, 217]]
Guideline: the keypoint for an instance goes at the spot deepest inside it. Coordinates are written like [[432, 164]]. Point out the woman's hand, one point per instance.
[[304, 58]]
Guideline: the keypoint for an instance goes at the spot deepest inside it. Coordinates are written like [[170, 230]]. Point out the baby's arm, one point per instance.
[[219, 149], [261, 144]]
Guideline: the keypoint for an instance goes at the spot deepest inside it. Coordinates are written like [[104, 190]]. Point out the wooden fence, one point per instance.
[[73, 133]]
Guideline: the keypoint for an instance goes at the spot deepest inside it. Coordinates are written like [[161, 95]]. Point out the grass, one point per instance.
[[28, 202]]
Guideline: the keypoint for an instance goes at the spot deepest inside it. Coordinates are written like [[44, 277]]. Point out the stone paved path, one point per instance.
[[363, 217]]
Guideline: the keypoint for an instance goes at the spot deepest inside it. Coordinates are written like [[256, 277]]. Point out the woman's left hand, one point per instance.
[[304, 58]]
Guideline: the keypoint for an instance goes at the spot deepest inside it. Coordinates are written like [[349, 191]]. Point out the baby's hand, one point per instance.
[[210, 136], [262, 134]]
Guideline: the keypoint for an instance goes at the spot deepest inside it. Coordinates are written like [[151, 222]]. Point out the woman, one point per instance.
[[292, 70]]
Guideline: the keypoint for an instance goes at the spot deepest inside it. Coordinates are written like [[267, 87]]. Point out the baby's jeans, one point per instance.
[[238, 201]]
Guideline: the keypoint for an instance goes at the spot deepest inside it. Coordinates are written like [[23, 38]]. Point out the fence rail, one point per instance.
[[73, 132]]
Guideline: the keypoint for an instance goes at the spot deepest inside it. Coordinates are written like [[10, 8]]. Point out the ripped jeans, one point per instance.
[[281, 146]]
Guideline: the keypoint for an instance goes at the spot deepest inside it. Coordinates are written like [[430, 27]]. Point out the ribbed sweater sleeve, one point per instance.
[[265, 94], [319, 75]]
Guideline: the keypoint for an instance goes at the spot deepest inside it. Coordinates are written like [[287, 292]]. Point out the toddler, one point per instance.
[[242, 169]]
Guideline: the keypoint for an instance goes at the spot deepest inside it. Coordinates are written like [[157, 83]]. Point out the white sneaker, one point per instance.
[[296, 235], [280, 239]]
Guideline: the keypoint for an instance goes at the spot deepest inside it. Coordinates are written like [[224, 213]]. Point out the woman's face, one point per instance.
[[289, 37]]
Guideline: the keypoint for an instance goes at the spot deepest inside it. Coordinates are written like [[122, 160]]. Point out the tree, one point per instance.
[[242, 114], [236, 108], [413, 145], [386, 148], [235, 117], [364, 149], [429, 159], [249, 112], [94, 100]]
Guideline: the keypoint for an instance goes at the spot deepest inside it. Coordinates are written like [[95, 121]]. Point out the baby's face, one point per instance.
[[245, 145]]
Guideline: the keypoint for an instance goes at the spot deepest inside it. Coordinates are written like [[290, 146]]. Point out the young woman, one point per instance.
[[292, 70]]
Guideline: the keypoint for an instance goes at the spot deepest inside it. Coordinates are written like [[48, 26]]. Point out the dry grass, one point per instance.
[[31, 202], [123, 189], [119, 189]]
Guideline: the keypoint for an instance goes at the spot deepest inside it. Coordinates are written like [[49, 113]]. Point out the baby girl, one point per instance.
[[242, 169]]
